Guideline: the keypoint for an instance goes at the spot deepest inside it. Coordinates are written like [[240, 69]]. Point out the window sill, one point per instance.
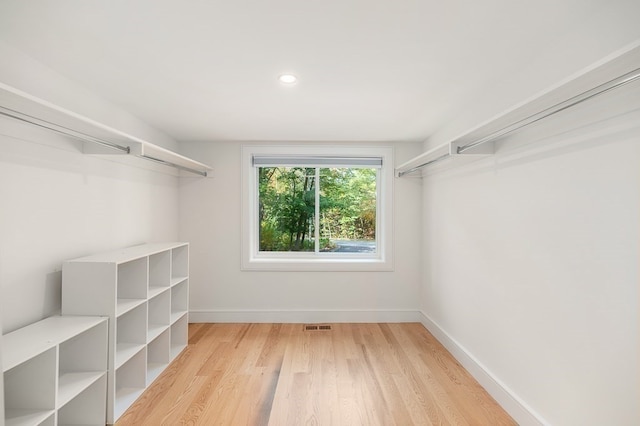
[[316, 264]]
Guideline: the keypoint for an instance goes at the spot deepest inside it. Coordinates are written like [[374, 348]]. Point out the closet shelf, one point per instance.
[[98, 138], [442, 152], [164, 156], [431, 156], [594, 81]]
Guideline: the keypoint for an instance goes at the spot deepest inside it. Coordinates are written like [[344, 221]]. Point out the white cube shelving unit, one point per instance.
[[144, 290], [55, 372]]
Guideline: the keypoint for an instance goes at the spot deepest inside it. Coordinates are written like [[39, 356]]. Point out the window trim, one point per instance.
[[254, 260]]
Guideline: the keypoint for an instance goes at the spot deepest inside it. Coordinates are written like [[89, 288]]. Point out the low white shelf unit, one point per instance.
[[55, 372], [144, 290]]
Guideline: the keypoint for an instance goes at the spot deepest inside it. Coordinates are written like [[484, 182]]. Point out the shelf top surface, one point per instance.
[[27, 342], [130, 253]]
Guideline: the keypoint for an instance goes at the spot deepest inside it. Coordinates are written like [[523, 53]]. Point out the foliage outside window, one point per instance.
[[313, 209]]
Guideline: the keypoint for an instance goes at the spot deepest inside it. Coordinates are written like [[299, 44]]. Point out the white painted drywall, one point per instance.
[[531, 262], [210, 212], [58, 204]]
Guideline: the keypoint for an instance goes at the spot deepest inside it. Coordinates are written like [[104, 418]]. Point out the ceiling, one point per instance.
[[369, 70]]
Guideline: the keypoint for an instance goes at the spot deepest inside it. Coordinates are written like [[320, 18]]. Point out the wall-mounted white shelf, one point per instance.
[[599, 79], [433, 155], [144, 290], [161, 155], [55, 372], [98, 138], [439, 153]]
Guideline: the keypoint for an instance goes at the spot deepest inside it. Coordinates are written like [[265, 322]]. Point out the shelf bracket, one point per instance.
[[487, 148]]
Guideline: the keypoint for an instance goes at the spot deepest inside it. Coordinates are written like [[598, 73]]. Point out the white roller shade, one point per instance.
[[316, 161]]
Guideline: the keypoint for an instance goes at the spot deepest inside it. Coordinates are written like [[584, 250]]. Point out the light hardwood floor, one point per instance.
[[282, 374]]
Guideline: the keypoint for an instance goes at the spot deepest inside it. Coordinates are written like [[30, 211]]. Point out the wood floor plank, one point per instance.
[[422, 382], [282, 374]]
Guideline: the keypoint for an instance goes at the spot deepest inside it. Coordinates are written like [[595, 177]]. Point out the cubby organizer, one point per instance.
[[55, 372], [144, 290]]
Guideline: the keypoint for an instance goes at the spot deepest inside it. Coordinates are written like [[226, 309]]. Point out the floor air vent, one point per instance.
[[316, 327]]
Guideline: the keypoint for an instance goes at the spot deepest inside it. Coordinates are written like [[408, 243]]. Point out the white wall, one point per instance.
[[210, 211], [57, 203], [531, 263]]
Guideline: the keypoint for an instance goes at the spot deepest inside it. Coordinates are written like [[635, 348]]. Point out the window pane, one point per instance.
[[286, 208], [348, 210]]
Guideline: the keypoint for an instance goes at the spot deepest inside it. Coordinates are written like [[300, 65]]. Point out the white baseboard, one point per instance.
[[512, 404], [303, 316]]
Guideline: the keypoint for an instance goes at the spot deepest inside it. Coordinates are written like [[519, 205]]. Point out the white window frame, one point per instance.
[[254, 260]]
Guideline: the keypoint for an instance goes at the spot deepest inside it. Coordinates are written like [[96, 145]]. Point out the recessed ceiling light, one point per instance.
[[288, 79]]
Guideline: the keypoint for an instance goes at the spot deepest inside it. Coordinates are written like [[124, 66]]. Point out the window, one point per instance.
[[317, 208]]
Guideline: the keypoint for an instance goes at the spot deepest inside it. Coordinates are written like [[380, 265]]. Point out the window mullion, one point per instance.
[[316, 221]]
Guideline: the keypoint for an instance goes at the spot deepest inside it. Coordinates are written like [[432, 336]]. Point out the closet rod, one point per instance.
[[575, 100], [419, 166], [168, 163], [60, 129], [8, 112]]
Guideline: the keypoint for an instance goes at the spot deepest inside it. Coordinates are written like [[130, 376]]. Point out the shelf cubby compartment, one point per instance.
[[159, 271], [130, 382], [125, 305], [179, 300], [158, 355], [131, 334], [82, 362], [159, 314], [179, 264], [27, 418], [88, 407], [179, 336], [131, 284], [30, 389]]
